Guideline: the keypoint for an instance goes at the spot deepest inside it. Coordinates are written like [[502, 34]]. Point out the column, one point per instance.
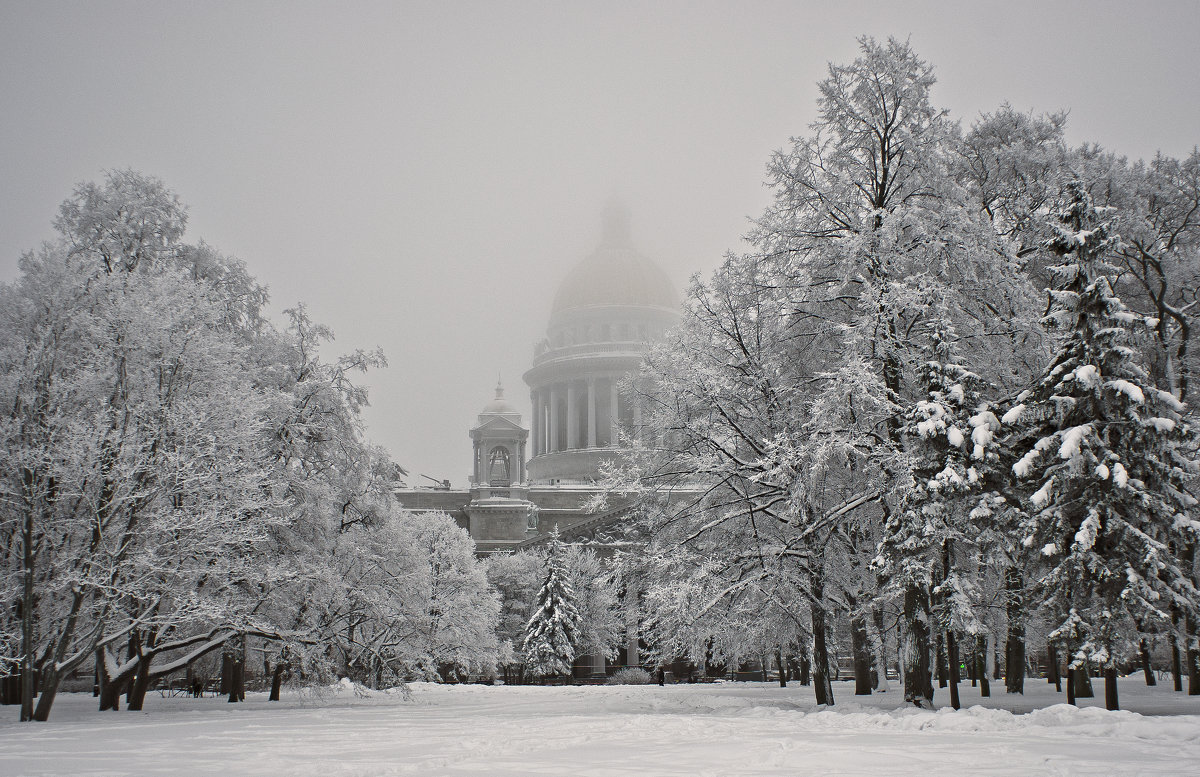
[[591, 404], [535, 422], [518, 476], [554, 420], [614, 416], [572, 416]]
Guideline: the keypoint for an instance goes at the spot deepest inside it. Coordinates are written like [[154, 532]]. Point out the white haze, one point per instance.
[[423, 175]]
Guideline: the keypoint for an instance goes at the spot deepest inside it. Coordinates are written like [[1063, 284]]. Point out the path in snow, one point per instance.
[[605, 731]]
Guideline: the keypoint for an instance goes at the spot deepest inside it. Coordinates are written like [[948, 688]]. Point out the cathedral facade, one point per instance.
[[527, 480]]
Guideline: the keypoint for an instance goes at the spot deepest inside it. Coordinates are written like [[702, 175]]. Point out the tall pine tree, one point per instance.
[[553, 632], [1109, 454]]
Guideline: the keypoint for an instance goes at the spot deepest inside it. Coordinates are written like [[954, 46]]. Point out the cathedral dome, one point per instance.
[[615, 275], [499, 405]]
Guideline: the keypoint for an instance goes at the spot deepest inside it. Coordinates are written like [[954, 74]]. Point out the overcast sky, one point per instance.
[[423, 175]]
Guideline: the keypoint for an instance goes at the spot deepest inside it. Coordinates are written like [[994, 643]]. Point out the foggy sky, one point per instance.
[[423, 175]]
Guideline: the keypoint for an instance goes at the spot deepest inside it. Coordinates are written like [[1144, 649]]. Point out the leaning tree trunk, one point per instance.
[[1083, 682], [918, 683], [140, 684], [1014, 645], [1147, 669]]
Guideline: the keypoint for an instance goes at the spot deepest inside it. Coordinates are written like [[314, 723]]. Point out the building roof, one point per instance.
[[615, 274], [500, 406]]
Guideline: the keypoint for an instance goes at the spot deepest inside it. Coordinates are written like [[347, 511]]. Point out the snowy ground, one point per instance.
[[604, 731]]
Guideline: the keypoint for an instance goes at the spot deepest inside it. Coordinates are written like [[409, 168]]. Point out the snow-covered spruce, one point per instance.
[[948, 436], [553, 632], [1106, 451]]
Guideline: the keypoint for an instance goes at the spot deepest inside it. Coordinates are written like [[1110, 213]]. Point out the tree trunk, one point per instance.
[[981, 670], [49, 690], [226, 671], [131, 651], [1014, 645], [111, 688], [239, 682], [880, 651], [952, 657], [1147, 669], [1071, 675], [822, 685], [27, 612], [918, 682], [1083, 683], [1193, 657], [805, 670], [862, 656], [1110, 688], [943, 670], [104, 684], [1176, 664], [140, 684], [277, 682], [783, 678], [1052, 673], [240, 674]]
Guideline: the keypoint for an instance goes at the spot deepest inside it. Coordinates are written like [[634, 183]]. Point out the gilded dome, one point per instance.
[[615, 274]]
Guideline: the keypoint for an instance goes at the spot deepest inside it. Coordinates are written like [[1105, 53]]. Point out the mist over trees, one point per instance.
[[876, 422], [935, 417]]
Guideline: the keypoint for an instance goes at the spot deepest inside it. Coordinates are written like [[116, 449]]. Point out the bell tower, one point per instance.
[[499, 443], [500, 513]]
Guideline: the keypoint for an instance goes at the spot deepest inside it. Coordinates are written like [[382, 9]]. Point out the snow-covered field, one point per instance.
[[721, 730]]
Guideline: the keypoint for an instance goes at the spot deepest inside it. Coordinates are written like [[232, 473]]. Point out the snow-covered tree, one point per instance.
[[874, 231], [948, 437], [552, 635], [516, 577], [591, 580], [1109, 454], [135, 486]]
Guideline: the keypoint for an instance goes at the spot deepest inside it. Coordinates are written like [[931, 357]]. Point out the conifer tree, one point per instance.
[[948, 435], [1107, 452], [553, 632]]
